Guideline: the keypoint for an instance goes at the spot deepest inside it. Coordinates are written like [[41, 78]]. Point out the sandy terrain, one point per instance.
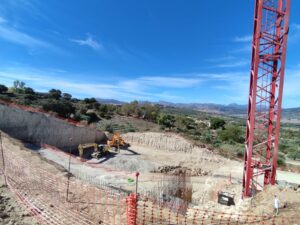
[[11, 212], [211, 174]]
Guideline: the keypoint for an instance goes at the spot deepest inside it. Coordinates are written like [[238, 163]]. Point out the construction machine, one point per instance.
[[117, 142], [98, 152]]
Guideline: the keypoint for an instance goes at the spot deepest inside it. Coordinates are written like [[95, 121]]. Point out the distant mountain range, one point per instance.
[[110, 101], [230, 109]]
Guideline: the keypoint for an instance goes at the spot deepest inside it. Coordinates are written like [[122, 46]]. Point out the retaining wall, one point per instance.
[[42, 128]]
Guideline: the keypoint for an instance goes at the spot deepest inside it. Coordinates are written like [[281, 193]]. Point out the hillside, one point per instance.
[[216, 127], [289, 115]]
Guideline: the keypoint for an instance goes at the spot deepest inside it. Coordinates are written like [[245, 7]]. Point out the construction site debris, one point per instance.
[[177, 170]]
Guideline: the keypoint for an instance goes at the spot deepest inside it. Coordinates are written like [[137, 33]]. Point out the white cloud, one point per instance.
[[140, 88], [2, 20], [246, 38], [90, 42], [225, 58], [294, 34], [10, 34], [172, 82], [233, 64], [233, 86]]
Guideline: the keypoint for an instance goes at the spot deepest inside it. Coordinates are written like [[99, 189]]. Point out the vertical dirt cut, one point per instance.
[[41, 128]]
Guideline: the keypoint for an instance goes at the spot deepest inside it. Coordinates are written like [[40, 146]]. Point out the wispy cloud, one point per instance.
[[232, 64], [172, 82], [294, 34], [246, 38], [233, 86], [220, 59], [89, 41], [141, 88], [2, 20], [11, 34]]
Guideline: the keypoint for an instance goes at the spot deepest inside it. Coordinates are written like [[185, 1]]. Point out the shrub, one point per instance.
[[166, 120], [232, 133], [3, 88], [89, 100], [29, 91], [294, 154], [216, 123], [240, 152], [55, 93], [109, 128], [62, 108], [66, 96], [281, 159]]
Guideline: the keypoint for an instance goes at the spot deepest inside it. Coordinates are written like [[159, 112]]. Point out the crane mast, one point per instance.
[[271, 26]]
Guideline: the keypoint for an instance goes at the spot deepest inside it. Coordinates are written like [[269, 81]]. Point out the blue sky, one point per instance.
[[171, 50]]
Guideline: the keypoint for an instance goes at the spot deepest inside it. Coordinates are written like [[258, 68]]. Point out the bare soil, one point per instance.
[[11, 212], [156, 161]]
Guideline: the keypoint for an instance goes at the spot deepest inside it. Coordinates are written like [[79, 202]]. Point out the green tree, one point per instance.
[[55, 93], [232, 133], [29, 91], [103, 110], [62, 108], [18, 87], [66, 96], [183, 123], [132, 109], [19, 84], [166, 120], [216, 123], [3, 88], [89, 100], [150, 112]]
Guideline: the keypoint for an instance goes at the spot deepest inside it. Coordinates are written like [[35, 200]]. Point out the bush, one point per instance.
[[30, 97], [109, 128], [206, 137], [281, 159], [29, 91], [240, 152], [89, 100], [294, 154], [55, 93], [232, 133], [3, 88], [166, 121], [216, 123], [66, 96], [4, 98], [183, 123], [62, 108]]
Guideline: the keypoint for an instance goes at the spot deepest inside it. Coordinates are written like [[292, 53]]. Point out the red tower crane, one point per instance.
[[271, 26]]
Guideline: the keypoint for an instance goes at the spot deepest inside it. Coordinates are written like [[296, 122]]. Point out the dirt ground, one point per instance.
[[210, 173], [11, 212]]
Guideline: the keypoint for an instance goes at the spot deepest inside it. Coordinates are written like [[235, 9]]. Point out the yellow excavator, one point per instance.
[[116, 143]]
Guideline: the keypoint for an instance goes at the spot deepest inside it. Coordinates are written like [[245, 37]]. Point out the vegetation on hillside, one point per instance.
[[219, 133]]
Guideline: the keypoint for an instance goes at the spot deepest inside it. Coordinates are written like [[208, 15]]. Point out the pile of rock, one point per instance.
[[178, 170]]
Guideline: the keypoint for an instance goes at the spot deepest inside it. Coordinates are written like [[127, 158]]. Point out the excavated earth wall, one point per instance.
[[41, 128], [162, 141]]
